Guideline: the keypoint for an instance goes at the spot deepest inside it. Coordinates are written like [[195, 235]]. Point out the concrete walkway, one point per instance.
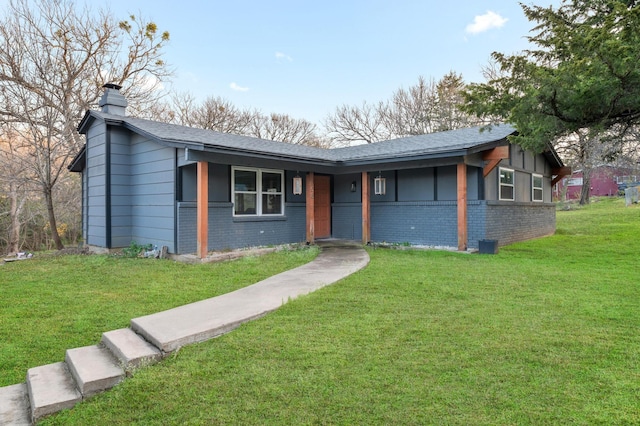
[[92, 369]]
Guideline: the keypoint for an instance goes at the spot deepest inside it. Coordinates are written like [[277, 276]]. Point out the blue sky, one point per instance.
[[306, 58]]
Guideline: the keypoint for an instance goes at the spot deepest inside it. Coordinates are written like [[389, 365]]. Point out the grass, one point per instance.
[[545, 332], [52, 303]]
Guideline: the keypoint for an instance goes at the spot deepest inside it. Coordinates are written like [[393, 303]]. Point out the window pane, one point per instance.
[[537, 181], [271, 182], [506, 192], [537, 195], [244, 204], [506, 176], [245, 180], [271, 204]]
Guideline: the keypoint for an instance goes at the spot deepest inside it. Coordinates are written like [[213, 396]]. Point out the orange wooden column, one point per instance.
[[311, 218], [203, 209], [366, 209], [462, 207]]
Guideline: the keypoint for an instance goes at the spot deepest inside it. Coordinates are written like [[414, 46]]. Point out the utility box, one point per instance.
[[488, 246]]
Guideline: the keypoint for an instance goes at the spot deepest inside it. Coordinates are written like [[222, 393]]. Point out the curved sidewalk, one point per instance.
[[199, 321], [92, 369]]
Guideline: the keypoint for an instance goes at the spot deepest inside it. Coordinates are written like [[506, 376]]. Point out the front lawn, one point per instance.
[[545, 332], [53, 303]]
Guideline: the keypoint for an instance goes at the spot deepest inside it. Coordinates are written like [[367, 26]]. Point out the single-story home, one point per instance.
[[196, 190]]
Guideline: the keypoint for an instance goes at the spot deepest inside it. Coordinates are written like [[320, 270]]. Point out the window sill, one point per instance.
[[259, 218]]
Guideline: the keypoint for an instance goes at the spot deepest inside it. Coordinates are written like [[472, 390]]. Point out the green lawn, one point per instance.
[[53, 303], [545, 332]]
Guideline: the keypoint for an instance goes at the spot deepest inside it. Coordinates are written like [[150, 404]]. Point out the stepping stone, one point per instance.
[[130, 348], [14, 405], [51, 389], [94, 369]]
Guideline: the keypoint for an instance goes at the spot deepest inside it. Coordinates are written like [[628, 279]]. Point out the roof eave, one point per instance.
[[79, 161]]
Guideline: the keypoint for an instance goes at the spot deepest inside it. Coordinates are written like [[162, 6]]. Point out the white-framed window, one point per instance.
[[536, 187], [576, 181], [257, 192], [507, 184]]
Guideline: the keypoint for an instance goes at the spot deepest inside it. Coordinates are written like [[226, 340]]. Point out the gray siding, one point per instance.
[[447, 186], [120, 189], [416, 185], [152, 193], [95, 217], [219, 183], [524, 163]]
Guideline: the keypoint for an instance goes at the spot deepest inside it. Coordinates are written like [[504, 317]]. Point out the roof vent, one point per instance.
[[112, 101]]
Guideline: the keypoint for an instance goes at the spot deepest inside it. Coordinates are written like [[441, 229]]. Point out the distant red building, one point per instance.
[[606, 181]]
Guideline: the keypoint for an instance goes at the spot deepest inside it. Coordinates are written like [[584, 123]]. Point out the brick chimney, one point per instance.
[[112, 101]]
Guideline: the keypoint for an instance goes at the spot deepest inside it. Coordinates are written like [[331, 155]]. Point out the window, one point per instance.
[[257, 192], [536, 187], [506, 184], [577, 181]]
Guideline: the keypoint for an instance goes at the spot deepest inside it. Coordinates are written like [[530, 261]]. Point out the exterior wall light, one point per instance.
[[380, 185], [297, 185], [353, 186]]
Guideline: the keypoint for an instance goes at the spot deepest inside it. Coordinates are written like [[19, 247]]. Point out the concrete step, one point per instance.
[[51, 389], [94, 368], [130, 348], [14, 405]]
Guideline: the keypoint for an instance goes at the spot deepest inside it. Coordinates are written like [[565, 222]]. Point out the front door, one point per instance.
[[322, 206]]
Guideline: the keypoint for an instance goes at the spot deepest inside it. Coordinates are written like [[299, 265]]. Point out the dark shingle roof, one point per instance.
[[432, 143], [176, 134], [454, 142]]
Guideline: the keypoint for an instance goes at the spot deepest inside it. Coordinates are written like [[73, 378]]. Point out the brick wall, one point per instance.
[[346, 221], [227, 232], [432, 223], [510, 222]]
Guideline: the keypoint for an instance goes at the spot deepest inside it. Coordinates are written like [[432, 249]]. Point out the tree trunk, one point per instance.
[[52, 219], [585, 192], [14, 213]]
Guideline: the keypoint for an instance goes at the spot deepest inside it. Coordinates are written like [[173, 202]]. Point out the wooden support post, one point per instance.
[[493, 157], [462, 207], [311, 214], [202, 209], [559, 174], [366, 209]]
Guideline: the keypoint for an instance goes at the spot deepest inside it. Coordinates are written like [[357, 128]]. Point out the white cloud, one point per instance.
[[283, 56], [486, 22], [235, 87]]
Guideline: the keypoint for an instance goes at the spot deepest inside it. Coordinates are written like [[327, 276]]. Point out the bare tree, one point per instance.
[[412, 111], [219, 114], [14, 183], [364, 124], [426, 107], [54, 58], [215, 113], [283, 128]]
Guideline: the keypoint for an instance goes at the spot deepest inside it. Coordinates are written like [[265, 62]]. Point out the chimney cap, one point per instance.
[[112, 86]]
